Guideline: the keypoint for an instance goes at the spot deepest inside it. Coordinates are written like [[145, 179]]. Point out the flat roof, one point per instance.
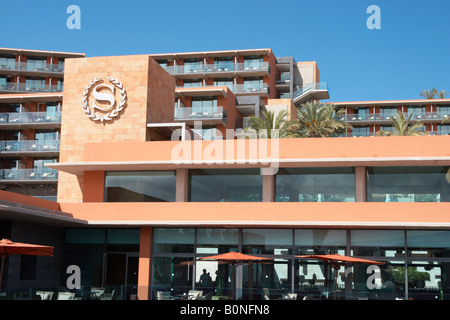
[[392, 102], [223, 53], [41, 53]]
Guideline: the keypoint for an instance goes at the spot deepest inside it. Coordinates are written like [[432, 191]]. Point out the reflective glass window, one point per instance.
[[222, 185], [140, 186], [173, 240], [315, 185], [408, 184]]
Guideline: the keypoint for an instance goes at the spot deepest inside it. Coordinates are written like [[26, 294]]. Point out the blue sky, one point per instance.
[[410, 52]]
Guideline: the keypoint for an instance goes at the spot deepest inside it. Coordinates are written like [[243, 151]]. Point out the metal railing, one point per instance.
[[30, 146], [24, 66], [425, 116], [30, 117], [300, 90], [23, 87], [46, 174], [200, 113], [213, 68]]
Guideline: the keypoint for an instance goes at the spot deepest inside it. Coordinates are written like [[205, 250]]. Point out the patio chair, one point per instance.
[[108, 296], [66, 295], [97, 293], [45, 295], [163, 295], [195, 294]]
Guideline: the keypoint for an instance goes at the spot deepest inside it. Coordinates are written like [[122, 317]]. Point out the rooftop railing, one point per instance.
[[212, 68], [30, 117], [46, 174]]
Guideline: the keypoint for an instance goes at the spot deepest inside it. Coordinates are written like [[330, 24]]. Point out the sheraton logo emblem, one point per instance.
[[99, 100]]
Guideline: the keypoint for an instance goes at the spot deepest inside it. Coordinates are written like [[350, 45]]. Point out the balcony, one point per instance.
[[30, 120], [9, 87], [386, 118], [196, 71], [32, 69], [28, 175], [207, 115], [312, 91], [34, 148]]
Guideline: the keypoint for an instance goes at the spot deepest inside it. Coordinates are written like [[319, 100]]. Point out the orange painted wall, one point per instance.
[[287, 214], [307, 148]]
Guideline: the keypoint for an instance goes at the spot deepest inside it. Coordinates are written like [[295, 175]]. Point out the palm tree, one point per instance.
[[317, 120], [442, 94], [403, 127], [429, 94], [263, 127]]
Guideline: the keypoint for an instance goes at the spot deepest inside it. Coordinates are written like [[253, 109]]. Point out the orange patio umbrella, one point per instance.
[[9, 248], [233, 258], [337, 260]]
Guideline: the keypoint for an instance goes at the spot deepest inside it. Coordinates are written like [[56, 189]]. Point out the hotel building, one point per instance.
[[136, 209]]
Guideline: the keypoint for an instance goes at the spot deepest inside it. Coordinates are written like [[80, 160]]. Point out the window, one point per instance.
[[223, 64], [418, 112], [140, 186], [192, 83], [7, 62], [251, 63], [36, 64], [34, 84], [388, 112], [224, 83], [222, 185], [408, 184], [363, 131], [204, 104], [193, 65], [253, 84], [315, 185]]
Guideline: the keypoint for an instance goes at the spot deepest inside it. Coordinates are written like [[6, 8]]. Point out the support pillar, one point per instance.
[[145, 253], [360, 184]]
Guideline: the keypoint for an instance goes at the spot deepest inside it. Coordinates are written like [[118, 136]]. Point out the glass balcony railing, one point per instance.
[[45, 174], [35, 67], [23, 87], [30, 146], [373, 117], [212, 68], [30, 117], [200, 113], [298, 91], [238, 88]]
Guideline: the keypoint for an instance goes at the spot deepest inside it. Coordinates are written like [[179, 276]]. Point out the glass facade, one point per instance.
[[222, 185], [412, 269], [140, 186], [408, 184], [315, 185]]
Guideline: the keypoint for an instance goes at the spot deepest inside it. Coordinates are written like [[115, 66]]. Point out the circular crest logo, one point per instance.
[[105, 93]]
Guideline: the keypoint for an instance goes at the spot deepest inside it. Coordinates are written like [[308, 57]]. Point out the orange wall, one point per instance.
[[262, 214], [307, 148]]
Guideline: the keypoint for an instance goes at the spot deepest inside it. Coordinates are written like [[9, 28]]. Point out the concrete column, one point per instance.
[[182, 187], [268, 192], [145, 253], [360, 184]]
